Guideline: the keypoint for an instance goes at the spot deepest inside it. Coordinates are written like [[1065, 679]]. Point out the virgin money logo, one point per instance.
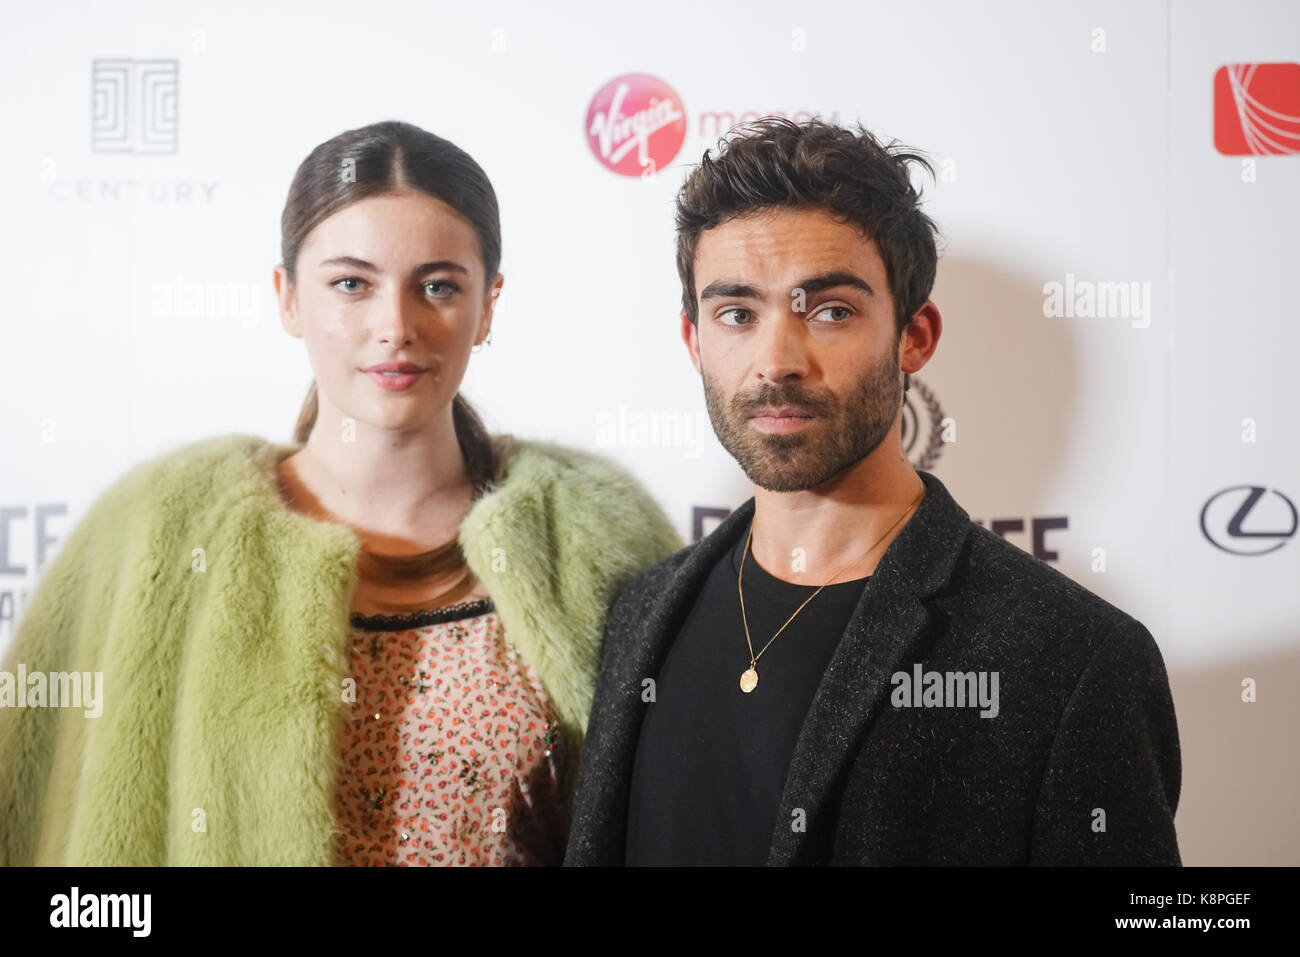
[[1257, 109], [636, 124]]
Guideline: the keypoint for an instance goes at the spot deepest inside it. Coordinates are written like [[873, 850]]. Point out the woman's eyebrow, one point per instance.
[[438, 266]]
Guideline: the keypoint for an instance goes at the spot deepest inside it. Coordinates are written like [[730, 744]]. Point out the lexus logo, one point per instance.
[[1273, 520]]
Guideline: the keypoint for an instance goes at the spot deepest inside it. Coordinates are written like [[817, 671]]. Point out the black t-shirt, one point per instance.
[[711, 762]]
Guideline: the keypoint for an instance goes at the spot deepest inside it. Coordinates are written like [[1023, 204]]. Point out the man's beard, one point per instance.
[[841, 435]]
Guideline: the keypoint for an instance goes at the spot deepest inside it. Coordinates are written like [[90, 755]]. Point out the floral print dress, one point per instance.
[[452, 754]]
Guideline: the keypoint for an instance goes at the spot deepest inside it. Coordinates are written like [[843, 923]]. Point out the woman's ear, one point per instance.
[[489, 305], [287, 301]]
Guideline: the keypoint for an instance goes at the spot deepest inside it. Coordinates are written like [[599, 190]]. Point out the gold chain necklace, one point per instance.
[[749, 680]]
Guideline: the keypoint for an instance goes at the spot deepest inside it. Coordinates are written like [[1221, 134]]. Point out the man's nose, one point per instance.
[[782, 349]]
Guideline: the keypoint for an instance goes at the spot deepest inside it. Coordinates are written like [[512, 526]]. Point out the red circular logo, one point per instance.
[[636, 124]]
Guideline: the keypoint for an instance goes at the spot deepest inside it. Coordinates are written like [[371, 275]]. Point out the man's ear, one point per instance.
[[285, 298], [691, 336], [920, 338]]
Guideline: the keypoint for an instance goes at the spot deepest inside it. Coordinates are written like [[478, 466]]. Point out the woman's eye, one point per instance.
[[443, 284], [833, 309], [727, 312], [338, 283]]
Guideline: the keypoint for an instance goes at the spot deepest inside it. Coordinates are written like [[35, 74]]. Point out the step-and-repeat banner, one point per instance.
[[1117, 185]]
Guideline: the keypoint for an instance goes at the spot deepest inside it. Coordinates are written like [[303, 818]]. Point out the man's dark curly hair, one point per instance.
[[775, 162]]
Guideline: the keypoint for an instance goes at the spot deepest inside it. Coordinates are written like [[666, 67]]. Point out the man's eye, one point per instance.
[[727, 312], [445, 284], [338, 283], [832, 309]]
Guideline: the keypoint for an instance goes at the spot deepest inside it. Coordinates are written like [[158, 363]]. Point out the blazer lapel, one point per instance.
[[668, 613], [886, 634], [614, 726]]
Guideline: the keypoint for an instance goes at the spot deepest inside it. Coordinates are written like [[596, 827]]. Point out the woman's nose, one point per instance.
[[395, 322]]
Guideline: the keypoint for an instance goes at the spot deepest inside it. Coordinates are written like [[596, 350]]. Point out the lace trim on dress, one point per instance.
[[421, 619]]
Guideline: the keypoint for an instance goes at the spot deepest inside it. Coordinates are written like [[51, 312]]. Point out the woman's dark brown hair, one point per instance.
[[382, 158]]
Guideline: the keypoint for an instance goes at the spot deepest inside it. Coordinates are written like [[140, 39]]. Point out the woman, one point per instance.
[[376, 646]]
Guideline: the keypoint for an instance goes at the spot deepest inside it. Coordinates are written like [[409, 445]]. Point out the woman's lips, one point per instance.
[[394, 381]]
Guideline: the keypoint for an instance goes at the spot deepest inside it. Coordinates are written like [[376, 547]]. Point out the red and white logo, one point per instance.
[[1257, 109], [636, 124]]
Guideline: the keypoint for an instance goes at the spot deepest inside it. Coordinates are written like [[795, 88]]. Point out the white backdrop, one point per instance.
[[1076, 145]]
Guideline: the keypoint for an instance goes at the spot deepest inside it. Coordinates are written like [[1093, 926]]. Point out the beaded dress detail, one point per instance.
[[451, 752]]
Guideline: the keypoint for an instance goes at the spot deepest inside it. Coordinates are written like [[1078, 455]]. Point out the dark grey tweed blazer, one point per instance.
[[1081, 764]]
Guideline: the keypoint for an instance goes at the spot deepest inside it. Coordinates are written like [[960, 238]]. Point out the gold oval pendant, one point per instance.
[[749, 680]]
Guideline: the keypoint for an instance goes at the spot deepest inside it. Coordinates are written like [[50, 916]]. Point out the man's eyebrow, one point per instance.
[[420, 270], [730, 289], [734, 289], [830, 280]]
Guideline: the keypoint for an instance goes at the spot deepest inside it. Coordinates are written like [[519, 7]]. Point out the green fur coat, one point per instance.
[[219, 617]]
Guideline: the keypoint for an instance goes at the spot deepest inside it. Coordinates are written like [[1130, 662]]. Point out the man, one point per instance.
[[848, 670]]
